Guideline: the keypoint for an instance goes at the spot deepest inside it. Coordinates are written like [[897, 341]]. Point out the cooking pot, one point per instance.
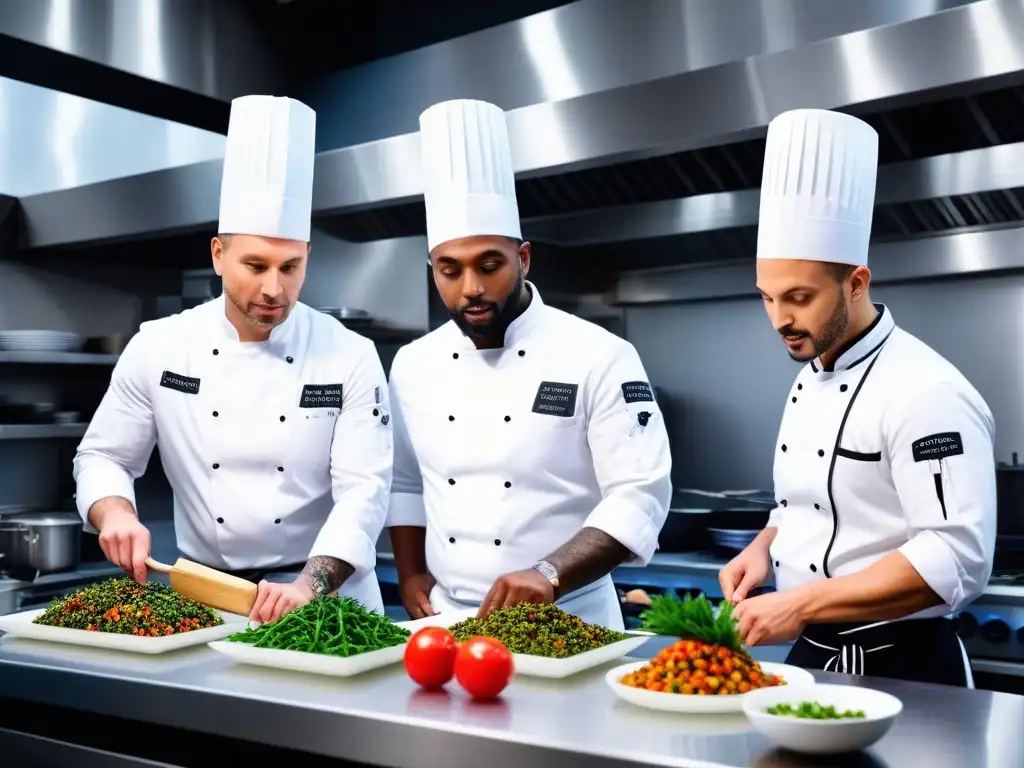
[[44, 542]]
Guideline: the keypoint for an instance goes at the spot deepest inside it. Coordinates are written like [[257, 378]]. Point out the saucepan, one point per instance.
[[45, 542]]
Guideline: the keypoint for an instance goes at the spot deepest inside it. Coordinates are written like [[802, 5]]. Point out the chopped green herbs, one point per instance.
[[538, 630], [692, 618], [812, 710], [330, 625], [121, 606]]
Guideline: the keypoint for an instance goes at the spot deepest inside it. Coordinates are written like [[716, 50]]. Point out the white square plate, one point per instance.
[[541, 666], [20, 625], [313, 663]]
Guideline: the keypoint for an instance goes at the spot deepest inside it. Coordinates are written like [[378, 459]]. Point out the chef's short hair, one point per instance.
[[225, 241], [840, 272]]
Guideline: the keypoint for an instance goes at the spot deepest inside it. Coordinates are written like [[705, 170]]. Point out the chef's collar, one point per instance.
[[864, 344], [280, 335], [519, 328]]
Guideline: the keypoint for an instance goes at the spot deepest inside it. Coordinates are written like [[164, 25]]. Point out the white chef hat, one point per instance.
[[469, 186], [267, 185], [818, 188]]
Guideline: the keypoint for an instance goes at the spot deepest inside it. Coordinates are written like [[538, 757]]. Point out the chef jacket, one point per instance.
[[505, 454], [892, 450], [276, 451]]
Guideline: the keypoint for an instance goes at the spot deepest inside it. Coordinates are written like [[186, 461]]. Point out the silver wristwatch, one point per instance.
[[548, 571]]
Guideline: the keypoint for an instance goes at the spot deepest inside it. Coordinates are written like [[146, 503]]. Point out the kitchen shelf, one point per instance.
[[56, 358], [41, 431]]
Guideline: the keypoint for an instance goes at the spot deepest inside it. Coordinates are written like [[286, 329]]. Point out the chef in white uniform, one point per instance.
[[271, 418], [884, 466], [531, 458]]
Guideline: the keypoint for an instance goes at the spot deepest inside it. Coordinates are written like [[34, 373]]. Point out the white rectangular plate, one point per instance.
[[313, 663], [541, 666], [20, 625]]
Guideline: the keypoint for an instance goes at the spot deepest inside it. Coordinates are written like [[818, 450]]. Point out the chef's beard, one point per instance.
[[833, 333], [256, 321], [503, 313]]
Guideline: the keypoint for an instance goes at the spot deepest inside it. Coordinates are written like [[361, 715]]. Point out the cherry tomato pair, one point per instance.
[[481, 665]]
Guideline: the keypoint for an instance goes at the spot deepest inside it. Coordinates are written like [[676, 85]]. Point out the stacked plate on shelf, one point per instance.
[[40, 341], [732, 539]]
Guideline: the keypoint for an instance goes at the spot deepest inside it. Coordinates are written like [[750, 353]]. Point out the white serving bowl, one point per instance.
[[823, 737]]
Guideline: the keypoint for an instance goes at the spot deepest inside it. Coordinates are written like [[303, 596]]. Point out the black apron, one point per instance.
[[922, 650]]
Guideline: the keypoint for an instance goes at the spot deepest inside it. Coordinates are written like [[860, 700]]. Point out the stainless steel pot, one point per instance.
[[44, 542]]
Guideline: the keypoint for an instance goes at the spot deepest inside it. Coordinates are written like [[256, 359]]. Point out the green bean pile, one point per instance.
[[538, 630], [330, 625], [812, 710]]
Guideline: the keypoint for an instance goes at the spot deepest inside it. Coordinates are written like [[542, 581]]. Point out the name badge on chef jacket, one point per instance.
[[555, 398], [321, 396], [179, 383]]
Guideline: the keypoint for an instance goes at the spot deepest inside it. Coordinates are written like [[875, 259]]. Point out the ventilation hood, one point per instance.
[[665, 171]]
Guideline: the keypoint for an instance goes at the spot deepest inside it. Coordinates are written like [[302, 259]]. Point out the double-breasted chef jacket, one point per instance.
[[276, 451], [891, 450], [505, 454]]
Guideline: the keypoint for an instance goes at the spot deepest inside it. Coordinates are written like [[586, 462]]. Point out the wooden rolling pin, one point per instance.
[[208, 586]]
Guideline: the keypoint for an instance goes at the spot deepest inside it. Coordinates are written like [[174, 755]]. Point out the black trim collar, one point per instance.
[[864, 344]]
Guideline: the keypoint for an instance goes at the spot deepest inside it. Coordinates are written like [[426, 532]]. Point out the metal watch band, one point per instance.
[[547, 570]]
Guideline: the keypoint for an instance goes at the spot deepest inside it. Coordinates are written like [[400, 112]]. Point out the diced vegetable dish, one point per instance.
[[812, 710], [330, 625], [708, 660], [538, 630], [124, 607]]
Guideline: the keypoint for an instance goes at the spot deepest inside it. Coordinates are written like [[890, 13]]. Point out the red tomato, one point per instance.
[[430, 656], [483, 666]]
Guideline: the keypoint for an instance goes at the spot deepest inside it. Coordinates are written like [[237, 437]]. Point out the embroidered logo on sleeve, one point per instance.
[[938, 446], [321, 396], [637, 392], [179, 383], [555, 398]]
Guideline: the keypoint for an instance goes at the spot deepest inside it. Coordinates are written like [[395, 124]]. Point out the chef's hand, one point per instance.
[[527, 586], [124, 540], [415, 595], [749, 569], [771, 618], [275, 600]]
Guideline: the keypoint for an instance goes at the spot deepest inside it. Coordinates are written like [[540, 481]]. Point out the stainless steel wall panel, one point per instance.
[[962, 254]]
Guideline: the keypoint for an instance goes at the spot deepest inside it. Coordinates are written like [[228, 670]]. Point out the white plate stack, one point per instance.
[[40, 341]]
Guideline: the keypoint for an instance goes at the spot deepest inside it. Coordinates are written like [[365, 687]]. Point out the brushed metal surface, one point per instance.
[[971, 172], [380, 718], [958, 51], [209, 48], [964, 253]]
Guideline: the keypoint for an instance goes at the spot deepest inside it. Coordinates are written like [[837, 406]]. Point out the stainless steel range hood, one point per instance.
[[688, 135]]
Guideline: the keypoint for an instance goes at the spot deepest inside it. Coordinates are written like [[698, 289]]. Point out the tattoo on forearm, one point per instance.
[[585, 558], [326, 574]]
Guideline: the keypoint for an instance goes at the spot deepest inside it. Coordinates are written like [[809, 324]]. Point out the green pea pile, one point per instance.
[[538, 630], [330, 625], [812, 710]]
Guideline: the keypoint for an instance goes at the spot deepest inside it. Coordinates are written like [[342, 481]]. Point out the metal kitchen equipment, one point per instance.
[[43, 542], [694, 511]]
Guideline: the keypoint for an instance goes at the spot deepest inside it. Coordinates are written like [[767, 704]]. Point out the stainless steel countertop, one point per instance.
[[381, 718]]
